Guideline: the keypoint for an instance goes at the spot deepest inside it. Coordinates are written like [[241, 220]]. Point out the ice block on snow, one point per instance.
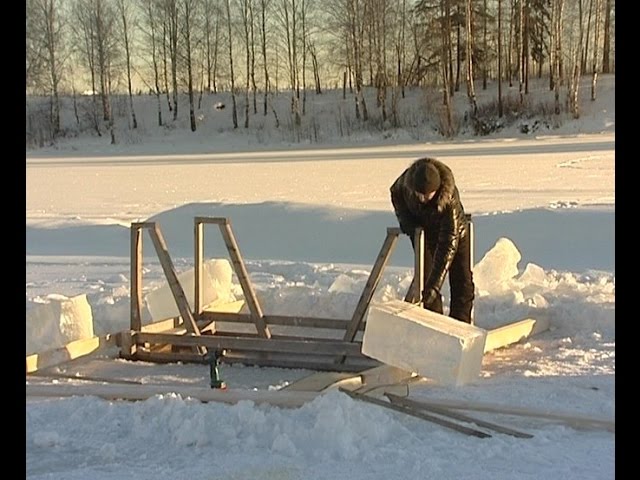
[[407, 336], [58, 322]]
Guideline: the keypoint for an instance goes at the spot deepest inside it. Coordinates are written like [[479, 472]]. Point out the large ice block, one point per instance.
[[60, 321], [407, 336]]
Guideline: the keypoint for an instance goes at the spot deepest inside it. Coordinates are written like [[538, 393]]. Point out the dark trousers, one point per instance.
[[461, 284]]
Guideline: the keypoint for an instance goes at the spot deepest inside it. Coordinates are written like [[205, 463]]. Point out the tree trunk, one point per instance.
[[500, 107], [232, 76], [471, 90], [125, 31], [594, 65], [188, 12], [263, 42], [445, 54], [606, 45]]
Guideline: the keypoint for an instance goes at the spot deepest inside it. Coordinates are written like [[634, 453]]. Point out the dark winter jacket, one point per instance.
[[442, 218]]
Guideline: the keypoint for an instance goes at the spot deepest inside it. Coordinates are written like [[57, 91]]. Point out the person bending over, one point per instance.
[[425, 195]]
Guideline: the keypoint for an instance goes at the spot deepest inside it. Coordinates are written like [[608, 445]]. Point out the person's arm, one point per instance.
[[406, 219], [446, 247]]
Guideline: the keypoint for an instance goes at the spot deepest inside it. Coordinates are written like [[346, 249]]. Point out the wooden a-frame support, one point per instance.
[[193, 334], [195, 330]]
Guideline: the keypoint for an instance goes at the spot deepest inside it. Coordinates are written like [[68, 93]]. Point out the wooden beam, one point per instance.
[[136, 277], [71, 351], [248, 358], [414, 293], [372, 282], [284, 320], [172, 278], [418, 267], [417, 413], [163, 325], [288, 399], [320, 381], [243, 278], [577, 421], [325, 347], [198, 254], [407, 402], [514, 332]]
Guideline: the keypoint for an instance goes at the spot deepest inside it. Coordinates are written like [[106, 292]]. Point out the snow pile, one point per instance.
[[216, 288], [498, 266]]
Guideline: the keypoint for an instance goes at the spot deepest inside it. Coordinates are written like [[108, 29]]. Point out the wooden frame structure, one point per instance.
[[304, 342], [320, 343], [194, 333]]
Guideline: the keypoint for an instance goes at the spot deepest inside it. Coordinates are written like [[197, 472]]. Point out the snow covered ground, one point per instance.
[[309, 223]]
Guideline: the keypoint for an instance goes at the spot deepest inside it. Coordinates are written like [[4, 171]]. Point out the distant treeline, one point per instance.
[[254, 48]]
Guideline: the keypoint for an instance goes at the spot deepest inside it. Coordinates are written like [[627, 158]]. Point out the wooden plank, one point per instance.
[[172, 279], [372, 282], [384, 374], [198, 254], [71, 351], [407, 402], [386, 378], [414, 293], [379, 379], [399, 388], [248, 358], [577, 421], [277, 398], [85, 378], [284, 320], [325, 347], [163, 325], [514, 332], [418, 414], [136, 278], [418, 268], [472, 240], [319, 381], [243, 278], [223, 307]]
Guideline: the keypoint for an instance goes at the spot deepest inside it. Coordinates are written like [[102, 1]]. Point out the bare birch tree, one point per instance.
[[245, 16], [189, 13], [125, 12], [445, 66], [47, 52], [596, 40], [264, 8], [556, 25], [151, 30], [211, 15], [356, 11], [171, 21], [288, 15], [104, 18], [252, 35], [574, 90], [231, 72], [471, 90], [84, 39], [606, 38], [500, 106]]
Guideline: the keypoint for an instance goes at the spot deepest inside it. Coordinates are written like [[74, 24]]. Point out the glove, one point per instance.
[[407, 229], [429, 296]]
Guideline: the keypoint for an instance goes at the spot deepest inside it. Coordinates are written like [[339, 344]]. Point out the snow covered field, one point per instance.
[[309, 223]]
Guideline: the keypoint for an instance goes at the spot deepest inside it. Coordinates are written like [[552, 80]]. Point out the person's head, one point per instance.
[[426, 181]]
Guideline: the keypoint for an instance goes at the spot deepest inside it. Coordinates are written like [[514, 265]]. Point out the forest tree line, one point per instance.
[[257, 48]]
